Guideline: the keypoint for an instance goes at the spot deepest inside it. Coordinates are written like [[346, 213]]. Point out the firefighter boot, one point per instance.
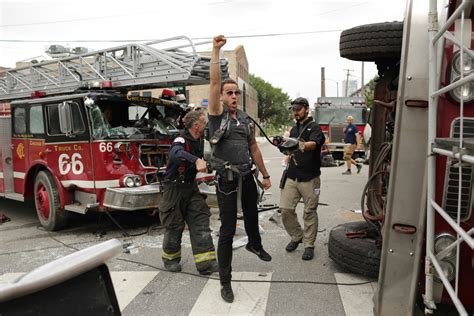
[[210, 268], [172, 266]]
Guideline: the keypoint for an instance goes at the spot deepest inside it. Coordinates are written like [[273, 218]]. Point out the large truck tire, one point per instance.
[[357, 255], [47, 204], [372, 42]]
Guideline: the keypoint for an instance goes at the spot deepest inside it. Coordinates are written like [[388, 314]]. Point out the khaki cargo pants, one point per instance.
[[290, 195]]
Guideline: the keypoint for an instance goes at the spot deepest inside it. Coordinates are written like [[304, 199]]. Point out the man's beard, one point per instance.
[[301, 118]]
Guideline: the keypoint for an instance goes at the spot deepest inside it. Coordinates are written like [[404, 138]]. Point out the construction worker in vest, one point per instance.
[[234, 149], [182, 202]]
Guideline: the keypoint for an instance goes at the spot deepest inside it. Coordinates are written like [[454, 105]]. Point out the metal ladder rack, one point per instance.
[[133, 66], [460, 148]]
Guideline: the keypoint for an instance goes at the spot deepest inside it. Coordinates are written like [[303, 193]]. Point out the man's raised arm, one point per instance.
[[215, 107]]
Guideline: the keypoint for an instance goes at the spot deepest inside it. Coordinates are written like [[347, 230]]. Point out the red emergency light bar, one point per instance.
[[106, 84], [38, 94]]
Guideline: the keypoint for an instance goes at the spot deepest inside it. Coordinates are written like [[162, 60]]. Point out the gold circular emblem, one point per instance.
[[20, 150]]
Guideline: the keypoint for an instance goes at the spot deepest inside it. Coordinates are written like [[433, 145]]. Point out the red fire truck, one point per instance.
[[74, 139], [331, 114], [418, 202]]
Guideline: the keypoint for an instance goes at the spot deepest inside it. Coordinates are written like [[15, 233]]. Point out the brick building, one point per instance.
[[238, 70]]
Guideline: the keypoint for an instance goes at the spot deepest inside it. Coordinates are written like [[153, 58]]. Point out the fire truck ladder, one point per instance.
[[459, 148], [169, 62]]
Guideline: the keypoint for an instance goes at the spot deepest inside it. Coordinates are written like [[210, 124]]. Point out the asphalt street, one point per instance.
[[24, 246]]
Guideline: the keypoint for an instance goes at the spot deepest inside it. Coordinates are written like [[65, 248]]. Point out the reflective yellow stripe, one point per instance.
[[205, 256], [171, 256]]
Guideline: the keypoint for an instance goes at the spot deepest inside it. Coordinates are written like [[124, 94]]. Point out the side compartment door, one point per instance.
[[19, 148], [6, 159]]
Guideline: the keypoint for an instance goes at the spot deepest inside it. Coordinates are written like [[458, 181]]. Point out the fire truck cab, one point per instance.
[[71, 147], [331, 114]]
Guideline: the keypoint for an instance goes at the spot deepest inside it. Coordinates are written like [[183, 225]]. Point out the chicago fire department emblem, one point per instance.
[[20, 150]]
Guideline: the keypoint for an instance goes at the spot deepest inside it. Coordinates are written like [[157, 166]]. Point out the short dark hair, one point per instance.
[[227, 81], [192, 117]]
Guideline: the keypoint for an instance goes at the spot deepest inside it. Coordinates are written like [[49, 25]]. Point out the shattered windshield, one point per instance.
[[112, 119]]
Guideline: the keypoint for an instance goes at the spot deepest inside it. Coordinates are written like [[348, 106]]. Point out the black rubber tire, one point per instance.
[[58, 217], [357, 255], [372, 42]]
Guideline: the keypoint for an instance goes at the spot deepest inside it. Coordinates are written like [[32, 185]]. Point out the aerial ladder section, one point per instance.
[[162, 63]]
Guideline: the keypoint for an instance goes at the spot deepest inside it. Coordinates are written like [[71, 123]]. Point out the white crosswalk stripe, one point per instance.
[[250, 297], [128, 284], [357, 300]]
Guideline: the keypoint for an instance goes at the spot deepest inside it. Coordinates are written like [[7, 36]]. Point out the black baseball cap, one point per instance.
[[298, 103]]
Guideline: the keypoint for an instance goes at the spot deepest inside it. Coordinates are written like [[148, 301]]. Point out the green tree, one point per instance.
[[370, 90], [272, 105]]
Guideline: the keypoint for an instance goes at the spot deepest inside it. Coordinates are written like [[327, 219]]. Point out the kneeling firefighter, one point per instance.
[[182, 202]]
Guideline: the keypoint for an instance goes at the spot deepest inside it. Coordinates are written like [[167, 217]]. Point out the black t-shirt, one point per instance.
[[308, 162], [183, 154]]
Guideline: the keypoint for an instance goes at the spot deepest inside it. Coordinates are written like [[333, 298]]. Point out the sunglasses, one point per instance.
[[231, 92]]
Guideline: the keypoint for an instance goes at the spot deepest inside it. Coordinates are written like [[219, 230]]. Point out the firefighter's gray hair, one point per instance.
[[192, 117]]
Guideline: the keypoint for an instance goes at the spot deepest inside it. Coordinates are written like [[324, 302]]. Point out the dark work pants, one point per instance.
[[180, 204], [227, 200]]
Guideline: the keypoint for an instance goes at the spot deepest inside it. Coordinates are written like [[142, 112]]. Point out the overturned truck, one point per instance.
[[418, 201]]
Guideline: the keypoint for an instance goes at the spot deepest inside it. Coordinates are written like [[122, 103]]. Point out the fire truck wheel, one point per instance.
[[372, 42], [357, 255], [47, 205]]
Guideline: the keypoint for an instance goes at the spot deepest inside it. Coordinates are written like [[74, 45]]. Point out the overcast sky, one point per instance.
[[290, 62]]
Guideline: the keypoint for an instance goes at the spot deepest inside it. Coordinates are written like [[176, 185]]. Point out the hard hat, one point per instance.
[[168, 94], [180, 98]]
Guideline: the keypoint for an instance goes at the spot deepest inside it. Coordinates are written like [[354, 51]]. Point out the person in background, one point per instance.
[[351, 139], [234, 151], [302, 180], [182, 203]]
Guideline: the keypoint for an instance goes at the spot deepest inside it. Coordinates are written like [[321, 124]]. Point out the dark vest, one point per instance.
[[233, 147]]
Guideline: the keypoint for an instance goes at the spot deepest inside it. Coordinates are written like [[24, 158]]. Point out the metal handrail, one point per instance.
[[431, 261]]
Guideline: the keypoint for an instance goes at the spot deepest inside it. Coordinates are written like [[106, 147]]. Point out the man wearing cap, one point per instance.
[[351, 139], [302, 180]]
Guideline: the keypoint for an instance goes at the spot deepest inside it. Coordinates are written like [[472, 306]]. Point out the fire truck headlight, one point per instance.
[[442, 241], [448, 270], [466, 66], [128, 182], [446, 261], [138, 181], [465, 92]]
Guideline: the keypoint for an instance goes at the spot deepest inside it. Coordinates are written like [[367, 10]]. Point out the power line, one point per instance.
[[75, 20], [149, 40]]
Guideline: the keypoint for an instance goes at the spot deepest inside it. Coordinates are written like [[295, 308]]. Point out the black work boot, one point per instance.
[[173, 266], [292, 245], [227, 293], [308, 253], [262, 254], [211, 268]]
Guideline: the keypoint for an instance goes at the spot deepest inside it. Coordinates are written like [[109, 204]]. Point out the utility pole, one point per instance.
[[323, 83], [347, 80], [362, 88]]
